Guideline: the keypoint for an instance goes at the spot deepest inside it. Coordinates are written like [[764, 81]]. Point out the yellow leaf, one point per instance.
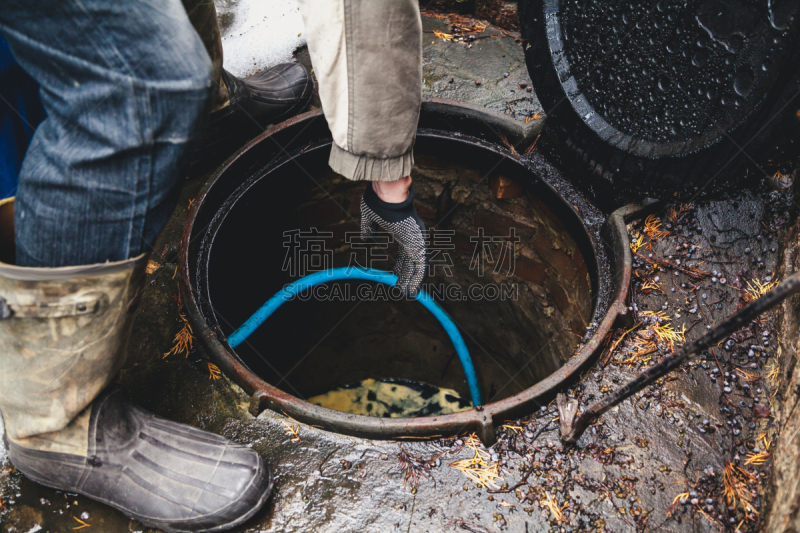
[[443, 36]]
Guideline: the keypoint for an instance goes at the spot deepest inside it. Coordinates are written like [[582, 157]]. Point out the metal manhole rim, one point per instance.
[[480, 420]]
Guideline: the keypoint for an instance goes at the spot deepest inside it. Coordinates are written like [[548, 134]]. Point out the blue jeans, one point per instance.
[[125, 84]]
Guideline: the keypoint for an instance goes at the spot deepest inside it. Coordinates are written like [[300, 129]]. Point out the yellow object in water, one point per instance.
[[392, 399]]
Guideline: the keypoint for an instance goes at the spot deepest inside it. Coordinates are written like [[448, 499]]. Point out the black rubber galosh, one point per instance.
[[662, 94], [257, 101], [272, 95], [166, 475]]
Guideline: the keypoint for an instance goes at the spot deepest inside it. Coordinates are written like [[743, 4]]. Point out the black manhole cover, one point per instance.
[[666, 94]]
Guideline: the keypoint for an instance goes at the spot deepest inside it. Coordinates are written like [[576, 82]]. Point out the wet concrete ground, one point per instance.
[[489, 71], [675, 440]]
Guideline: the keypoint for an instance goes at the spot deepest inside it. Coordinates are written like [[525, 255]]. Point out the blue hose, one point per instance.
[[334, 274]]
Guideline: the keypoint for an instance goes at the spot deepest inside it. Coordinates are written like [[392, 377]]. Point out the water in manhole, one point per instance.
[[510, 274], [392, 398]]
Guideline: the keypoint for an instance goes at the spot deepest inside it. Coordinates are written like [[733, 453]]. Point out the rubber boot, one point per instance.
[[254, 103], [270, 96], [63, 337]]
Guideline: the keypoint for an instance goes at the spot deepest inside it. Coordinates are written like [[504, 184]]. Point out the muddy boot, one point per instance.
[[166, 475], [63, 337], [254, 103]]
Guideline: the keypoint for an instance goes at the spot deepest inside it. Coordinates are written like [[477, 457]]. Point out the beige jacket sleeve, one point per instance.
[[367, 57]]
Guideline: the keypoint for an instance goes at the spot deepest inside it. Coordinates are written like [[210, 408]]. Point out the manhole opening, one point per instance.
[[521, 307]]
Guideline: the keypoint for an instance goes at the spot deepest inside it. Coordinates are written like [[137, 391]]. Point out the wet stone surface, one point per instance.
[[661, 459], [483, 68]]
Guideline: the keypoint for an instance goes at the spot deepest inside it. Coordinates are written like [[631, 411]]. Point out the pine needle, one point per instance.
[[707, 516], [616, 343], [766, 442], [81, 522], [682, 497], [640, 347], [533, 117], [552, 504], [663, 330], [183, 340], [291, 430], [637, 243], [772, 377], [748, 377], [679, 497], [735, 482], [437, 16], [658, 335], [661, 315], [756, 289], [650, 285], [416, 468], [667, 333], [214, 371], [756, 459], [654, 263], [508, 144], [675, 214], [480, 467], [467, 24], [652, 227]]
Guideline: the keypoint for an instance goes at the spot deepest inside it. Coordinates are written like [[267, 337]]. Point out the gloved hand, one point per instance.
[[402, 222]]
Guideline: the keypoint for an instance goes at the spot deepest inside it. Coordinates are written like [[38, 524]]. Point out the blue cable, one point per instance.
[[334, 274]]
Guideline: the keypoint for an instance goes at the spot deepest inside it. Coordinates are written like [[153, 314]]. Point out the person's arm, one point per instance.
[[367, 56]]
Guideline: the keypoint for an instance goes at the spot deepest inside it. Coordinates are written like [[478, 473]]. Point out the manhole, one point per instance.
[[534, 279]]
